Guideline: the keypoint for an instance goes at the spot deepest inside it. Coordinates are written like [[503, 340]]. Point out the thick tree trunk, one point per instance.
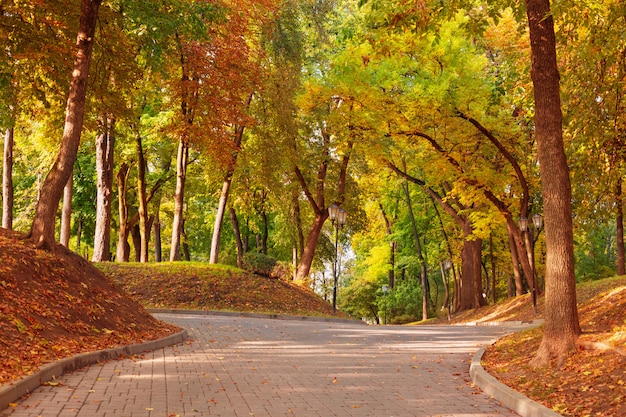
[[143, 205], [123, 248], [7, 180], [471, 278], [179, 198], [219, 218], [306, 260], [562, 326], [42, 228], [66, 213], [105, 145]]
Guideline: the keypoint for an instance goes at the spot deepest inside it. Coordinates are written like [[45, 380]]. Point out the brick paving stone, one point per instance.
[[254, 367]]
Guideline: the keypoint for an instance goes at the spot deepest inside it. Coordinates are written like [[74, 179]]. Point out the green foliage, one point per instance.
[[258, 263], [595, 252]]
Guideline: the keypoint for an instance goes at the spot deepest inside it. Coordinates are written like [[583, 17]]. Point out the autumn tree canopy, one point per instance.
[[223, 130]]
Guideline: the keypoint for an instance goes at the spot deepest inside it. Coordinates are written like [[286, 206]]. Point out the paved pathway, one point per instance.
[[242, 367]]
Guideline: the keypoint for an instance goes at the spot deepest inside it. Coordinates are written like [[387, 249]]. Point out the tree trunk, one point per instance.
[[66, 213], [105, 145], [135, 234], [42, 228], [221, 207], [471, 278], [306, 259], [219, 218], [619, 222], [493, 270], [392, 248], [7, 180], [237, 233], [519, 283], [158, 253], [123, 248], [79, 234], [562, 326], [143, 205], [418, 249], [179, 199]]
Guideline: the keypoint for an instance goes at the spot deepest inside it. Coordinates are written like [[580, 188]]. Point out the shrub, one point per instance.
[[258, 263]]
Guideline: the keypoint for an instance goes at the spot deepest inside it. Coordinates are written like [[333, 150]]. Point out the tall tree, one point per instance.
[[42, 229], [105, 144], [7, 180], [561, 314]]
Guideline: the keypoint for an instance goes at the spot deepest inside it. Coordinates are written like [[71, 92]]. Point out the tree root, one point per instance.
[[599, 347]]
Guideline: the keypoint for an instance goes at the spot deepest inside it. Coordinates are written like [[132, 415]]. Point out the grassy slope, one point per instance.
[[213, 287]]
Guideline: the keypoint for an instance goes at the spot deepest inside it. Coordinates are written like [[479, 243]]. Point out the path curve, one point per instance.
[[242, 367]]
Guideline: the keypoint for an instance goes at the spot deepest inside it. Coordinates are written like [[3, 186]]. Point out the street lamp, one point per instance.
[[385, 289], [537, 221], [338, 219]]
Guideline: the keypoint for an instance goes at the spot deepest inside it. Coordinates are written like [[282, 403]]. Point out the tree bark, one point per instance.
[[42, 228], [619, 222], [123, 248], [237, 233], [420, 255], [179, 198], [66, 213], [562, 326], [223, 201], [158, 253], [7, 180], [105, 145], [143, 205], [219, 219]]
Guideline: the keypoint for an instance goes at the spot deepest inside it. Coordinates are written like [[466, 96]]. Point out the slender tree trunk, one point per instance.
[[392, 248], [179, 199], [519, 283], [42, 228], [619, 222], [223, 201], [66, 213], [105, 145], [158, 253], [143, 205], [7, 180], [135, 235], [237, 233], [123, 248], [562, 326], [418, 249], [219, 219], [493, 269], [79, 234]]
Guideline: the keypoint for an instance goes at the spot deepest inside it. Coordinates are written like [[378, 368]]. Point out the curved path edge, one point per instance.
[[253, 315], [13, 391], [512, 399]]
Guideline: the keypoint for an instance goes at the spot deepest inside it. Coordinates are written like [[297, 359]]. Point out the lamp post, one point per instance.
[[385, 289], [537, 221], [338, 219]]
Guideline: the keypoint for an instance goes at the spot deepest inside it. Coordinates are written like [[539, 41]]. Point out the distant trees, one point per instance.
[[418, 120]]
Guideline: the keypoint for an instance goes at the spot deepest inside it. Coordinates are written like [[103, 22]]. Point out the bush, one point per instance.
[[258, 263]]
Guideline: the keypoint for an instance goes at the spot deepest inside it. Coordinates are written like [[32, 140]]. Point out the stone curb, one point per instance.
[[13, 391], [252, 315], [522, 405]]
